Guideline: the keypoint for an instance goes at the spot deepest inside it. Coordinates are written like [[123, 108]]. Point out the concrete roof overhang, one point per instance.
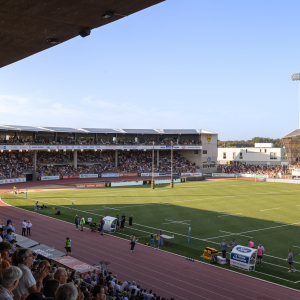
[[25, 25]]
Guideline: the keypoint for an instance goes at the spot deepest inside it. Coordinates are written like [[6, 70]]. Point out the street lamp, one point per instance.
[[296, 76]]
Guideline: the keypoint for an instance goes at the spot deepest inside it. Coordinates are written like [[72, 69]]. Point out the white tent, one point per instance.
[[243, 257], [110, 224]]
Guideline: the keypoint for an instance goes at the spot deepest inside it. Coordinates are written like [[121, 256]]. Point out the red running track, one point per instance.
[[167, 274]]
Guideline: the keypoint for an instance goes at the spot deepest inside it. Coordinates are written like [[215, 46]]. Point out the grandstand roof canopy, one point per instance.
[[100, 130], [292, 134], [26, 25]]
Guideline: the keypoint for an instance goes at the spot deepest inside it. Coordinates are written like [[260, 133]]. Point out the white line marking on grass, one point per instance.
[[230, 233], [275, 265], [297, 247], [177, 222], [274, 276], [270, 208], [280, 258], [106, 207], [67, 199], [227, 215]]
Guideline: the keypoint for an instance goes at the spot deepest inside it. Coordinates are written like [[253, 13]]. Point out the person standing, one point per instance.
[[290, 261], [251, 244], [68, 246], [82, 221], [132, 242], [152, 242], [76, 221], [101, 226], [233, 244], [130, 221], [123, 222], [260, 252], [224, 248], [24, 225], [29, 225], [118, 223], [160, 239]]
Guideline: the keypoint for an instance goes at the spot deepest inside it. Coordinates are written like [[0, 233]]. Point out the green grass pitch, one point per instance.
[[266, 212]]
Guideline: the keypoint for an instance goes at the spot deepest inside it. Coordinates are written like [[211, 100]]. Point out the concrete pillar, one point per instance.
[[34, 165], [157, 158], [75, 159], [116, 158]]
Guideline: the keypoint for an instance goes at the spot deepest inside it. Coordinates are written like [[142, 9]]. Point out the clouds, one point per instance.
[[87, 112]]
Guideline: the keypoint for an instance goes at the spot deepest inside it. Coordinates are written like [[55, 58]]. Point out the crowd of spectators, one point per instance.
[[23, 277], [90, 141], [271, 170], [13, 164]]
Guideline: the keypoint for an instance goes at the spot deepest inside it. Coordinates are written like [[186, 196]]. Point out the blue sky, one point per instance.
[[222, 66]]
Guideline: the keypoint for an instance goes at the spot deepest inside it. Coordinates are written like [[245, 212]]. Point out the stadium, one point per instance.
[[137, 214]]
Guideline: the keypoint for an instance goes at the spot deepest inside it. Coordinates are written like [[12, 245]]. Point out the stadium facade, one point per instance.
[[197, 145], [292, 146]]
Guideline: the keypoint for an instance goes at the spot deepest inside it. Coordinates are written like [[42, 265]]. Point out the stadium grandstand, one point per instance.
[[35, 152]]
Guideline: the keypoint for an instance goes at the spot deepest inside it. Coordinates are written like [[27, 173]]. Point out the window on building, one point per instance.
[[224, 155], [273, 155], [260, 150], [241, 155], [234, 155], [265, 150], [204, 151], [195, 151]]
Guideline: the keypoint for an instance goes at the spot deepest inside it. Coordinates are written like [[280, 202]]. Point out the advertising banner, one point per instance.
[[243, 257], [46, 251], [128, 174], [88, 176], [50, 177], [150, 174], [109, 174], [224, 175], [296, 172], [12, 180], [70, 176], [90, 185], [96, 147], [128, 183], [162, 181], [74, 264], [253, 175], [191, 174]]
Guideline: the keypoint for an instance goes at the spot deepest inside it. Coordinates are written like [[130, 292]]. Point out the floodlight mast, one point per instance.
[[295, 77]]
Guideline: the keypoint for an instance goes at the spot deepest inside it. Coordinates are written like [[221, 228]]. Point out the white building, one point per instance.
[[262, 153]]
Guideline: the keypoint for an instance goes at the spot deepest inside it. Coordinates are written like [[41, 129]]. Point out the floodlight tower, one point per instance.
[[296, 76]]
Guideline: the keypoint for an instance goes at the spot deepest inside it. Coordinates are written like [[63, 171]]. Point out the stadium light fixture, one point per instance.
[[108, 15], [52, 41], [296, 77], [85, 32]]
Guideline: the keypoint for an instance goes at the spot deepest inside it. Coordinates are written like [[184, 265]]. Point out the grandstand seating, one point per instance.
[[14, 164]]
